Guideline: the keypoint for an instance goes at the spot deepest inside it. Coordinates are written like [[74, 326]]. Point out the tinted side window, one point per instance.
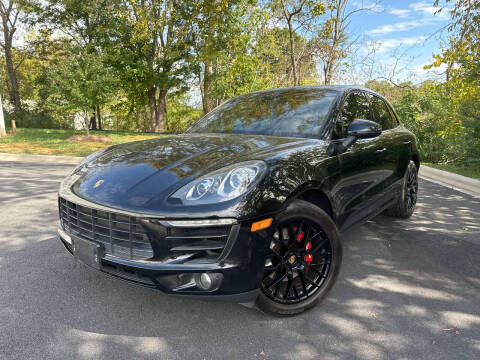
[[363, 111], [382, 113], [355, 106], [393, 116]]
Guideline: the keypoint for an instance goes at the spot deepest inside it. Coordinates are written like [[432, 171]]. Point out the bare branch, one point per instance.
[[400, 86], [13, 23]]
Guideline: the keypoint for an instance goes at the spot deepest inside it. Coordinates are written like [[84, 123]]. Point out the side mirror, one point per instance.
[[364, 129], [358, 129]]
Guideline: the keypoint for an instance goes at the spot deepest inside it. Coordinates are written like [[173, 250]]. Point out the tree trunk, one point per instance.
[[292, 53], [152, 106], [99, 118], [146, 127], [332, 58], [12, 76], [208, 103], [2, 120], [158, 109], [87, 124], [328, 71], [161, 111], [93, 120]]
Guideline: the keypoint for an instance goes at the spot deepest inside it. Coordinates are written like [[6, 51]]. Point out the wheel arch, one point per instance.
[[318, 198]]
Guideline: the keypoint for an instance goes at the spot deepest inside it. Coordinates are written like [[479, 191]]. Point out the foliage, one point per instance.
[[135, 59], [431, 111], [299, 16], [148, 45], [78, 82], [180, 115], [276, 52], [148, 64], [463, 76], [228, 59]]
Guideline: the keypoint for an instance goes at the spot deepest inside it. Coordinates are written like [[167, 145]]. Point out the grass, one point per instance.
[[471, 172], [53, 141]]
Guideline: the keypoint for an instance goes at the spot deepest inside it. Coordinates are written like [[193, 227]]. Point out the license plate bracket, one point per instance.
[[88, 252]]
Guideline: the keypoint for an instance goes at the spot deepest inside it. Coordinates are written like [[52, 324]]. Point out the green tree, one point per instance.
[[231, 59], [81, 21], [212, 29], [463, 74], [300, 17], [77, 82], [149, 45], [274, 45], [10, 13]]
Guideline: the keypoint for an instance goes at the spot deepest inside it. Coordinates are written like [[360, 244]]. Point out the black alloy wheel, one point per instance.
[[302, 262], [404, 205], [298, 263], [411, 188]]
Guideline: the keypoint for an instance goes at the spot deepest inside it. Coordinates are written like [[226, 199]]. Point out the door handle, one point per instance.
[[406, 142], [380, 150]]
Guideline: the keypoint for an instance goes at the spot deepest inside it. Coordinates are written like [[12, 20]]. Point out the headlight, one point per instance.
[[225, 184]]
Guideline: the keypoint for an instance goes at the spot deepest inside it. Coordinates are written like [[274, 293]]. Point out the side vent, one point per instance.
[[205, 245]]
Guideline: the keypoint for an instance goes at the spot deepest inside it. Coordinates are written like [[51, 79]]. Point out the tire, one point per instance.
[[307, 281], [407, 199]]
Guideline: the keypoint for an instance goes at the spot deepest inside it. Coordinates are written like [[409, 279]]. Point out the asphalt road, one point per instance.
[[408, 289]]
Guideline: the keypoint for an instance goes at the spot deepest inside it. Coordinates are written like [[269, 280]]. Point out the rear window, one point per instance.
[[382, 113]]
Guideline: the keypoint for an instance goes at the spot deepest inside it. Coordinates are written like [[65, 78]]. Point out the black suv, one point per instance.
[[248, 205]]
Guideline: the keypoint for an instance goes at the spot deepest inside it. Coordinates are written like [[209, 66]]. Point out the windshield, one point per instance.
[[287, 112]]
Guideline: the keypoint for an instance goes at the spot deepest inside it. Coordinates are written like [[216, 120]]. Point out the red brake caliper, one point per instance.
[[308, 246], [300, 236], [308, 257]]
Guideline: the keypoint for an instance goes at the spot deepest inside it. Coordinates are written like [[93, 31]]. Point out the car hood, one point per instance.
[[139, 176]]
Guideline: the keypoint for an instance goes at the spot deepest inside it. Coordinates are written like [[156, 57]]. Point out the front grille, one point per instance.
[[121, 235]]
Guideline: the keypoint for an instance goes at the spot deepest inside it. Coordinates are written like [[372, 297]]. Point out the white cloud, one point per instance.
[[401, 13], [396, 27], [428, 15], [405, 25], [385, 45], [428, 9]]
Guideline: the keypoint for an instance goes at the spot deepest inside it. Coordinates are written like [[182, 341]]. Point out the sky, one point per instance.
[[404, 34]]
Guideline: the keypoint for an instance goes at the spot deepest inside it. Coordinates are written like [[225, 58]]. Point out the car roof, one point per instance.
[[341, 89]]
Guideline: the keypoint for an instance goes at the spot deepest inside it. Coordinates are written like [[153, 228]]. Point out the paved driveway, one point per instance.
[[407, 290]]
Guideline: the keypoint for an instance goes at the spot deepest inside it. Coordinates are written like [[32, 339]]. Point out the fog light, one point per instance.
[[210, 282], [205, 281]]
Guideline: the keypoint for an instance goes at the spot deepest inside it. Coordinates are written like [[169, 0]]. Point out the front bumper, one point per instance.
[[236, 273]]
